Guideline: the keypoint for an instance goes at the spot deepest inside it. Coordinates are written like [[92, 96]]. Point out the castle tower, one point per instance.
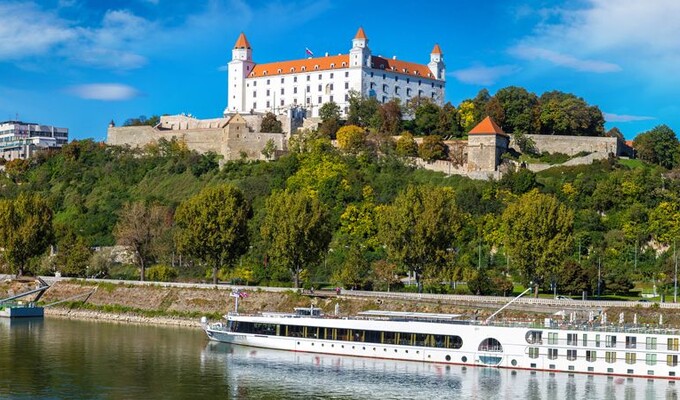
[[436, 64], [486, 143], [240, 66], [360, 54]]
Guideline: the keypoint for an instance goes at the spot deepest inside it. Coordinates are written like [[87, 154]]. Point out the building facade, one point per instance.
[[22, 139], [304, 85]]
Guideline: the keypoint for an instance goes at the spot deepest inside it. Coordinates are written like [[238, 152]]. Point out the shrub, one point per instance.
[[161, 273]]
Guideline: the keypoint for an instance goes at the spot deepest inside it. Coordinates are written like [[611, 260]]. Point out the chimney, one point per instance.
[[394, 57]]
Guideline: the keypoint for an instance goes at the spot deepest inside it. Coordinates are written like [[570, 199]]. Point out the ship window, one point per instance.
[[591, 355], [552, 337], [630, 358], [631, 342], [610, 357], [552, 354], [597, 340], [571, 355], [672, 360], [673, 344], [389, 338], [534, 337], [572, 339], [533, 352], [651, 343], [585, 339], [610, 341], [456, 342], [651, 359], [490, 344]]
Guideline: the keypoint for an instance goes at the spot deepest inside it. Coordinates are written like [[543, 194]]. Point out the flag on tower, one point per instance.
[[309, 52]]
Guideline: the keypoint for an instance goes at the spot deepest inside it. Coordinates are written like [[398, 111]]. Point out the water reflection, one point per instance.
[[252, 373]]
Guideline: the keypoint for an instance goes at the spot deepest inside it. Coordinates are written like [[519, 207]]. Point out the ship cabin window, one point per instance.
[[534, 337], [571, 355], [631, 342], [572, 339], [631, 358], [585, 339], [490, 344], [673, 344], [591, 355], [552, 337], [672, 360], [533, 352], [610, 341], [610, 357], [552, 354], [651, 343], [597, 340], [651, 359]]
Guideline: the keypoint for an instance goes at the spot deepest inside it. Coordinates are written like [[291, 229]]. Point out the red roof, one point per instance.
[[436, 49], [487, 127], [360, 34], [336, 62], [242, 42]]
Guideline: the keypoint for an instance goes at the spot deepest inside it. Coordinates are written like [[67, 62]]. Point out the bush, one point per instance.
[[161, 273]]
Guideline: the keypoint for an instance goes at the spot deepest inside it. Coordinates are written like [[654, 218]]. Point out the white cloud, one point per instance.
[[610, 117], [27, 30], [483, 75], [563, 60], [644, 35], [104, 91]]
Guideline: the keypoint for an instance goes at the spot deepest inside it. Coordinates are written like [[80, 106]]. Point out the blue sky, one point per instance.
[[80, 63]]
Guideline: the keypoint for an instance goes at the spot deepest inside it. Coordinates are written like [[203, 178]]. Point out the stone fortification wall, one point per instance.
[[251, 144], [571, 145]]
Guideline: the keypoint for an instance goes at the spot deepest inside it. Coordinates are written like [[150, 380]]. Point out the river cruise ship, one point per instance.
[[590, 348]]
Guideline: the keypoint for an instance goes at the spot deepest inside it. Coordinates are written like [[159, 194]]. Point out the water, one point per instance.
[[61, 359]]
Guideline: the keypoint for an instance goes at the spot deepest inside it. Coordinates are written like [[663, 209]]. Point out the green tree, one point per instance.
[[25, 229], [269, 149], [212, 226], [467, 115], [427, 118], [538, 235], [448, 124], [389, 117], [361, 110], [143, 120], [270, 124], [433, 148], [659, 146], [138, 228], [406, 145], [73, 255], [519, 108], [296, 230], [565, 114], [420, 226], [351, 138], [330, 119]]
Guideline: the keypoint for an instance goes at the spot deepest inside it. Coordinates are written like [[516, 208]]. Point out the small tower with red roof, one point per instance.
[[240, 66], [486, 144], [436, 64]]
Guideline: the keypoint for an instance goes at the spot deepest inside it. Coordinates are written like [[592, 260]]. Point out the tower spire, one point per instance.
[[242, 42]]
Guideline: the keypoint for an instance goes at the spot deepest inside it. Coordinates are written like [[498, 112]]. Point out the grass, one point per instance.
[[632, 163], [118, 309]]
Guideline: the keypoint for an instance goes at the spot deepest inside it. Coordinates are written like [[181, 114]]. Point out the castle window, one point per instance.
[[282, 102], [267, 81], [408, 80], [309, 100], [308, 89], [346, 98], [331, 99], [432, 95], [433, 84], [346, 85], [344, 64], [371, 74], [292, 69], [316, 67], [396, 79], [384, 99], [419, 82], [329, 87], [396, 90], [304, 68], [295, 89], [319, 99], [331, 75], [408, 92], [385, 88], [320, 88], [265, 73], [319, 76], [268, 94], [384, 76], [308, 78], [372, 85], [268, 104], [254, 93], [332, 65], [278, 71], [346, 74], [254, 83], [420, 93], [282, 80], [254, 106], [282, 90], [295, 79]]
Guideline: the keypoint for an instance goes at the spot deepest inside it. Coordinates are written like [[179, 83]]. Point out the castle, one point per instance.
[[307, 84]]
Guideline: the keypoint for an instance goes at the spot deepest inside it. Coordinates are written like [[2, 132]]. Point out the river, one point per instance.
[[64, 359]]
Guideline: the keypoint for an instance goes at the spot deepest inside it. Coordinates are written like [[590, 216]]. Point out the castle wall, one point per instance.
[[484, 151], [571, 145]]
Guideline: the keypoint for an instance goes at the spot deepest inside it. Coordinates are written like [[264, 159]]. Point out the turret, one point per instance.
[[242, 50], [436, 64], [240, 66], [360, 54]]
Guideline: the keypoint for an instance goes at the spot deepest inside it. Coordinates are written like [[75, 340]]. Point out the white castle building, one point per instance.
[[22, 139], [308, 83]]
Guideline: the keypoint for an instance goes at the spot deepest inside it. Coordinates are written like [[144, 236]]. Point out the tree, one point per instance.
[[406, 145], [520, 109], [142, 120], [270, 124], [361, 110], [330, 119], [25, 229], [351, 138], [389, 116], [296, 229], [269, 149], [659, 146], [73, 255], [212, 226], [565, 114], [419, 227], [138, 227], [384, 273], [427, 118], [467, 115], [538, 235], [447, 124], [433, 148]]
